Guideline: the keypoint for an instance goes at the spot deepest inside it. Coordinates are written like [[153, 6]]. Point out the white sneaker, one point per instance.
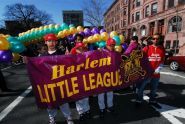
[[52, 120], [70, 122]]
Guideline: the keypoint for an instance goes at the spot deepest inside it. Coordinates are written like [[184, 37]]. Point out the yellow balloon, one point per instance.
[[57, 26], [66, 32], [72, 30], [37, 29], [113, 33], [80, 29], [51, 26], [90, 39], [4, 44], [104, 36], [96, 37], [61, 34], [85, 40], [6, 36], [118, 49], [122, 38], [16, 57]]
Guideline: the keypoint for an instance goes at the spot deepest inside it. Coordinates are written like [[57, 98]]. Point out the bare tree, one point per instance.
[[93, 11], [28, 15]]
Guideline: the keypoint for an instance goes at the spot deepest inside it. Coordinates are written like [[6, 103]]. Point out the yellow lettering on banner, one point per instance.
[[67, 89], [74, 85], [52, 86], [114, 83], [61, 84], [86, 88], [46, 92], [99, 80], [105, 61], [106, 79], [94, 64], [57, 71], [40, 94], [92, 81], [87, 63], [70, 69], [79, 67]]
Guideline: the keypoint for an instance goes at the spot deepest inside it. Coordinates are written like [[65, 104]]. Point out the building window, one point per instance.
[[168, 44], [143, 30], [181, 2], [154, 9], [137, 16], [170, 3], [132, 17], [124, 22], [125, 11], [161, 27], [138, 3], [175, 44], [175, 24], [147, 11], [134, 32]]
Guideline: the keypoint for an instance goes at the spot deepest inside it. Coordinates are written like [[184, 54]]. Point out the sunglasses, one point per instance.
[[155, 38]]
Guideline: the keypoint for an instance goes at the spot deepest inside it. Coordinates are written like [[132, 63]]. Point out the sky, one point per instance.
[[52, 7]]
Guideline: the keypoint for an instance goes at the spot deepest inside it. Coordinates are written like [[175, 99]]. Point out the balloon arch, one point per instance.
[[10, 47]]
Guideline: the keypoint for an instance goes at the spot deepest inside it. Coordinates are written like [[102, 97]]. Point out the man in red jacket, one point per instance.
[[156, 55]]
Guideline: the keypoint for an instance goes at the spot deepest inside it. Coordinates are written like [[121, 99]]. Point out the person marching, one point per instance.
[[51, 42], [156, 55], [110, 45], [82, 105]]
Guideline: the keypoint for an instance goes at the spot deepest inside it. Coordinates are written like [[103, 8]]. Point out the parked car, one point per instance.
[[176, 62]]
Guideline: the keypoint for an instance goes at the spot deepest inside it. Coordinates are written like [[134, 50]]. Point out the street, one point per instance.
[[23, 110]]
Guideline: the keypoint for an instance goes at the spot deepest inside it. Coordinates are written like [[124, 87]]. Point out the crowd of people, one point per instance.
[[154, 51]]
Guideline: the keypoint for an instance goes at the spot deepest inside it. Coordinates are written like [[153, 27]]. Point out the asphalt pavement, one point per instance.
[[23, 110]]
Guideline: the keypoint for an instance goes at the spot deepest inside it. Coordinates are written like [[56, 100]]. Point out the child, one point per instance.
[[42, 49], [110, 45], [82, 105], [51, 42]]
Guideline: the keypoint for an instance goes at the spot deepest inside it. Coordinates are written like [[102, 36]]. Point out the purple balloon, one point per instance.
[[71, 38], [82, 33], [95, 30], [102, 30], [5, 56], [87, 32]]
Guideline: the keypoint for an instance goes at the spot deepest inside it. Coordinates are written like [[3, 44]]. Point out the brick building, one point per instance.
[[116, 17], [147, 17]]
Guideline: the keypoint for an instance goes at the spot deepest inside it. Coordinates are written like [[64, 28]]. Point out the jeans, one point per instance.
[[101, 98], [140, 88], [82, 105], [65, 110]]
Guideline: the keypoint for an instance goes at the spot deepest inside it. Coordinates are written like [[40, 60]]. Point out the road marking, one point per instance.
[[172, 74], [170, 112], [10, 66], [8, 109], [6, 68]]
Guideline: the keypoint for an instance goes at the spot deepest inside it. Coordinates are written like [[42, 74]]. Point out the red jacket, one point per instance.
[[156, 56]]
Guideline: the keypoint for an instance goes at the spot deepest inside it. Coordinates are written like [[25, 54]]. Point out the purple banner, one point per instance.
[[60, 79]]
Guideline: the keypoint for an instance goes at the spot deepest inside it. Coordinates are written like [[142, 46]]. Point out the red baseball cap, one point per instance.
[[48, 37], [110, 42], [79, 44]]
